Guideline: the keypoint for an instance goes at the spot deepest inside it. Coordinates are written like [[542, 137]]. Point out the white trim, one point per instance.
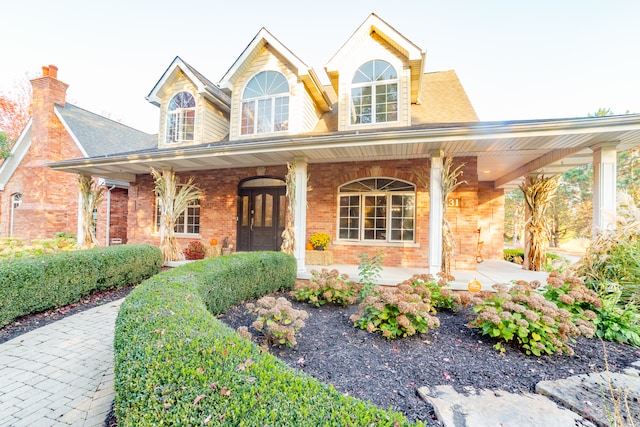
[[17, 154], [70, 132], [300, 212], [435, 213], [604, 187]]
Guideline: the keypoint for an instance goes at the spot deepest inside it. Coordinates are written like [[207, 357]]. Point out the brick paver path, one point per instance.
[[60, 374]]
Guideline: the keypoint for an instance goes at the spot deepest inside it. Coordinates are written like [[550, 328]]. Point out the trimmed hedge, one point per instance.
[[511, 254], [176, 364], [30, 285]]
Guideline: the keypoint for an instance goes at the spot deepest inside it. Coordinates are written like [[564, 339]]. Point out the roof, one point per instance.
[[506, 151], [205, 87], [443, 100], [99, 136]]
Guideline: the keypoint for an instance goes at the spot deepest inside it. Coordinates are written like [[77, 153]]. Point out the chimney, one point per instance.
[[48, 92]]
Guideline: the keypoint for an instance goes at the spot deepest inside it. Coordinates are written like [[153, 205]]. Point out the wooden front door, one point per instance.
[[261, 218]]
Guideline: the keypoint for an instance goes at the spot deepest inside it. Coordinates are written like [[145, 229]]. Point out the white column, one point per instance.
[[604, 186], [300, 212], [435, 213]]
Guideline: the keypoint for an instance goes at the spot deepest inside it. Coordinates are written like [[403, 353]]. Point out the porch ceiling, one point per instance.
[[505, 151]]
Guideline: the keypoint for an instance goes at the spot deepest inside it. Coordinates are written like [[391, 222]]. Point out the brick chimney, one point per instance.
[[46, 127]]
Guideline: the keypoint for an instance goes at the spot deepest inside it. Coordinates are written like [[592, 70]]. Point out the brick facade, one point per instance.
[[480, 207], [49, 198]]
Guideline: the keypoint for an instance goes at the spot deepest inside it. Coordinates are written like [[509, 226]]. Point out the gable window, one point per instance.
[[181, 118], [377, 209], [374, 93], [265, 104], [187, 223]]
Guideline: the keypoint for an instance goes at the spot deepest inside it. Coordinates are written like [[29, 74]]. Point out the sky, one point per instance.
[[516, 59]]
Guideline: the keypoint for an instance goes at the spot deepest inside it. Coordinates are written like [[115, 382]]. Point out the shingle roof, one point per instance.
[[100, 136], [444, 100]]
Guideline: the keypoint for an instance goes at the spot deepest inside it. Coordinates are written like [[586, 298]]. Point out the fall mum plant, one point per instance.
[[320, 240]]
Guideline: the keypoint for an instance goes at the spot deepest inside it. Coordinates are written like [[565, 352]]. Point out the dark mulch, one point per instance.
[[388, 372]]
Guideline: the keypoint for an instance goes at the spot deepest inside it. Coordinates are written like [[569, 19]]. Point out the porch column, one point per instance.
[[604, 186], [300, 212], [435, 213]]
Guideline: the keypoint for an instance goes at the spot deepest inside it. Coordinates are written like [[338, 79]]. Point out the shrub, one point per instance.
[[553, 262], [13, 247], [370, 269], [616, 322], [521, 315], [327, 287], [277, 320], [195, 250], [397, 312], [176, 364], [440, 295], [33, 284]]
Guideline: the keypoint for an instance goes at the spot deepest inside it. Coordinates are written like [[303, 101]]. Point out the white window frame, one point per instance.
[[276, 103], [180, 117], [374, 85], [181, 227], [388, 214]]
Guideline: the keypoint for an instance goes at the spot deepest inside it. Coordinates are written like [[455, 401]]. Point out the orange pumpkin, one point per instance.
[[213, 241], [309, 247]]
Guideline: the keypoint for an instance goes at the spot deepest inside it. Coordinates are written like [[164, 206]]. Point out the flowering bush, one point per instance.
[[195, 250], [523, 316], [320, 240], [277, 320], [440, 295], [14, 247], [327, 286], [397, 312]]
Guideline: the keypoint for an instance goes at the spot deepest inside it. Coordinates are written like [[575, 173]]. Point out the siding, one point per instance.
[[366, 49]]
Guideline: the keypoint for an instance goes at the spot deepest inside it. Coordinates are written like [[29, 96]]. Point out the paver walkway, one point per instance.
[[60, 374]]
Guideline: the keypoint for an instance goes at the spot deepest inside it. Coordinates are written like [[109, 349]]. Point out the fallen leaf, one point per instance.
[[198, 399], [300, 362], [225, 392]]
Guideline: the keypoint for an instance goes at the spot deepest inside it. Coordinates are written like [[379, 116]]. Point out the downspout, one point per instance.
[[108, 225]]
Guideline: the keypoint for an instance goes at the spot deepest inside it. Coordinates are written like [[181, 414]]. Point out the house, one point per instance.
[[37, 202], [367, 150]]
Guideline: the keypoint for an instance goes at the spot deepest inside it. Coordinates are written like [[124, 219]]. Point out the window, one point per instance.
[[377, 209], [374, 93], [265, 104], [187, 223], [181, 118]]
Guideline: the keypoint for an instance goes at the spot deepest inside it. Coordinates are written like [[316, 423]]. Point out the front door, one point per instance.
[[261, 218]]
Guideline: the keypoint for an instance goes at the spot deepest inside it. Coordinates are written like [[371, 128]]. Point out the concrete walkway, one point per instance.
[[60, 374]]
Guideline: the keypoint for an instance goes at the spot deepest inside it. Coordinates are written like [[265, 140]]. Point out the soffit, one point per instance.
[[505, 152]]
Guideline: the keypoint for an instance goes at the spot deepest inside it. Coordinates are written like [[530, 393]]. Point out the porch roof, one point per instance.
[[506, 151]]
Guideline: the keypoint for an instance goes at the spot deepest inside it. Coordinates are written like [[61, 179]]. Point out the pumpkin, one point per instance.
[[309, 247], [213, 241]]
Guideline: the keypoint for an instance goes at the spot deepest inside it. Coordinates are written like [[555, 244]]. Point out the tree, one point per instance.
[[14, 110], [514, 217], [173, 199], [5, 146]]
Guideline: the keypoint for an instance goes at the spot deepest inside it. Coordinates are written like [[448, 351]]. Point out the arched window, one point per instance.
[[377, 209], [181, 118], [265, 104], [374, 93]]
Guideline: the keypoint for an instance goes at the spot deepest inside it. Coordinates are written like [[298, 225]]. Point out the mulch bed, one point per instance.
[[388, 372]]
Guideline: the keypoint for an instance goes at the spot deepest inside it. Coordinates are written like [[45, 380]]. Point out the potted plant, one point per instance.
[[319, 241]]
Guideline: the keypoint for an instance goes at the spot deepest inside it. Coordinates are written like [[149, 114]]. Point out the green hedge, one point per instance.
[[176, 364], [511, 254], [30, 285]]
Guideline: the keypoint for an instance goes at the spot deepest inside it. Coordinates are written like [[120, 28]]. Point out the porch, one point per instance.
[[487, 273]]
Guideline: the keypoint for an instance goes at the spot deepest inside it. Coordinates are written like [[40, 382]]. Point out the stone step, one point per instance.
[[598, 396], [495, 408]]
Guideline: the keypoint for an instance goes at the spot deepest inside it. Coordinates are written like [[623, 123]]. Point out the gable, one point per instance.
[[18, 152], [388, 38]]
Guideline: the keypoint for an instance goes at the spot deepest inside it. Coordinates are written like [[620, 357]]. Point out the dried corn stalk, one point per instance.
[[91, 196], [288, 235], [450, 183], [538, 193], [173, 199]]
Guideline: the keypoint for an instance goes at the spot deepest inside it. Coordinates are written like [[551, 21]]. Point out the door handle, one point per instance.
[[251, 224]]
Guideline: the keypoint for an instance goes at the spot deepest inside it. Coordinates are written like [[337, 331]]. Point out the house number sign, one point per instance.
[[453, 203]]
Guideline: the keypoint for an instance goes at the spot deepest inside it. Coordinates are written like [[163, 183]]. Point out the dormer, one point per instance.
[[193, 110], [377, 75], [272, 91]]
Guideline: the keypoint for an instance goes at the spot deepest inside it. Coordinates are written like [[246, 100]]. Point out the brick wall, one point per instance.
[[479, 205], [49, 198], [491, 223]]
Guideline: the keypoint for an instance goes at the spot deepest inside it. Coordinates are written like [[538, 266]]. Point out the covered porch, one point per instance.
[[487, 273]]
